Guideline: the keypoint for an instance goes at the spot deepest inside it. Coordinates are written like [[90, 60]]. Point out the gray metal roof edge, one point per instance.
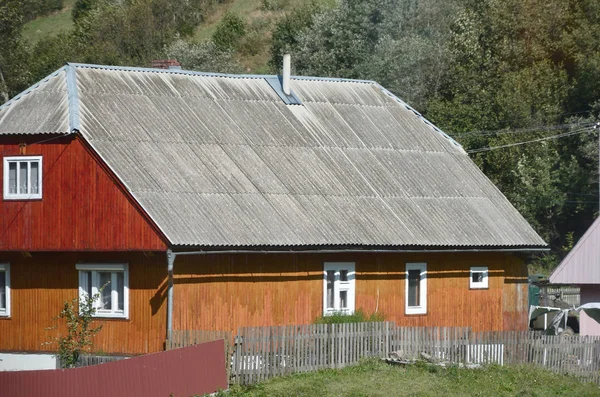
[[214, 74], [420, 116], [73, 98], [328, 249], [32, 88], [405, 247]]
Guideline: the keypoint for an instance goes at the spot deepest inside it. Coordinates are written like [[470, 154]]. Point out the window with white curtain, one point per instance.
[[416, 288], [22, 177], [338, 288], [110, 283], [4, 290]]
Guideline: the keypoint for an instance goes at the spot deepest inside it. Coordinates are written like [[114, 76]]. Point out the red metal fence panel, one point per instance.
[[194, 370]]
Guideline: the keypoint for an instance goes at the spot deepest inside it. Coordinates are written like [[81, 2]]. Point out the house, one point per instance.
[[581, 267], [213, 201]]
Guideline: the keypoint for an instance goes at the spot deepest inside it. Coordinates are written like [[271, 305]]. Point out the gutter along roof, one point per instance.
[[225, 161]]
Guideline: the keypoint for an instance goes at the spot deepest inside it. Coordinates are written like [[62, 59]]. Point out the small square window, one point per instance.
[[4, 290], [478, 278], [23, 178], [111, 283]]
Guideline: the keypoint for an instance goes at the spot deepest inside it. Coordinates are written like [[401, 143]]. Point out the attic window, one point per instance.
[[23, 177]]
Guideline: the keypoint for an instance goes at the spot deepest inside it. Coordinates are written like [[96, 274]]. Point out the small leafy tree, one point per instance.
[[80, 329], [229, 31]]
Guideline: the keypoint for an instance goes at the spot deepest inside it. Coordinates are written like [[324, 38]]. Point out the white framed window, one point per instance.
[[478, 277], [111, 283], [4, 289], [22, 177], [339, 279], [416, 288]]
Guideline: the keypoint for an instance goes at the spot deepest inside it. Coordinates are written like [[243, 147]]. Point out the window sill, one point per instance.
[[110, 317], [476, 288], [410, 312], [26, 198]]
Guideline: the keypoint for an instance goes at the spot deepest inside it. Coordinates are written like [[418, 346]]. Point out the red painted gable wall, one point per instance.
[[83, 207]]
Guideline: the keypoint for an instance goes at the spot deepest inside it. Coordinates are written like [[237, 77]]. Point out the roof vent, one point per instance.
[[281, 84], [287, 72]]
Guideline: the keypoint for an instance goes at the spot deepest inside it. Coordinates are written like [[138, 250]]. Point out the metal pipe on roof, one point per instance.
[[287, 72], [170, 266]]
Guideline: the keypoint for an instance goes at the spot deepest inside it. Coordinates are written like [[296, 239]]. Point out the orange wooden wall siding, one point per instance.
[[224, 292], [82, 207], [42, 283]]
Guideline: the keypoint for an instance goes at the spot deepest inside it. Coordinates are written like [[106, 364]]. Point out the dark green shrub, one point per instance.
[[229, 31], [357, 317]]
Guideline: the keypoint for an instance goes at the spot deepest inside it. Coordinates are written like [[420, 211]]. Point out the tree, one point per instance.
[[230, 29], [400, 43], [14, 55], [287, 30], [79, 321], [203, 57]]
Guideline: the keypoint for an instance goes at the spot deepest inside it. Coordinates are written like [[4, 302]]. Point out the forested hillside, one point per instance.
[[516, 82]]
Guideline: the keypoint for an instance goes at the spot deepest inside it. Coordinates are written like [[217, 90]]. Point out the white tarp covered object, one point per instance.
[[554, 327], [592, 309]]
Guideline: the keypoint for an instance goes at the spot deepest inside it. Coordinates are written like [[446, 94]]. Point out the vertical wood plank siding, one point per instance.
[[224, 292], [82, 207], [40, 285]]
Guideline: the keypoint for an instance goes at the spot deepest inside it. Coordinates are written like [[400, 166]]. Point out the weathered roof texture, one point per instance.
[[41, 109], [220, 160], [582, 264]]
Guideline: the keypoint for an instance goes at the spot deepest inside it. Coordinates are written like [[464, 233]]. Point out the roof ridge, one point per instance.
[[213, 74], [73, 98]]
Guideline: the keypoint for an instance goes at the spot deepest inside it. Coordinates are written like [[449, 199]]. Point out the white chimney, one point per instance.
[[287, 71]]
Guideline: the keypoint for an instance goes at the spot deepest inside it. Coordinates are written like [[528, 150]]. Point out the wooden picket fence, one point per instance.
[[89, 359], [259, 353]]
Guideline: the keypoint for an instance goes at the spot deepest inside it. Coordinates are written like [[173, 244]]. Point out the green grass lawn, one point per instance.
[[50, 25], [375, 378]]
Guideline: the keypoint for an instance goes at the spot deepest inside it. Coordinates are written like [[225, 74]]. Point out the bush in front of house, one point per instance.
[[359, 316]]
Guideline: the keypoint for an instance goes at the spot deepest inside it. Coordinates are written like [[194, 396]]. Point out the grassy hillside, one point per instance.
[[260, 17], [50, 25]]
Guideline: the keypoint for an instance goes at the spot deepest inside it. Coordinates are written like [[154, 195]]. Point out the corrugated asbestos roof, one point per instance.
[[40, 109], [220, 160]]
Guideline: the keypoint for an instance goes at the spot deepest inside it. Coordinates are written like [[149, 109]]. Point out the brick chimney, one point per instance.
[[166, 64]]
